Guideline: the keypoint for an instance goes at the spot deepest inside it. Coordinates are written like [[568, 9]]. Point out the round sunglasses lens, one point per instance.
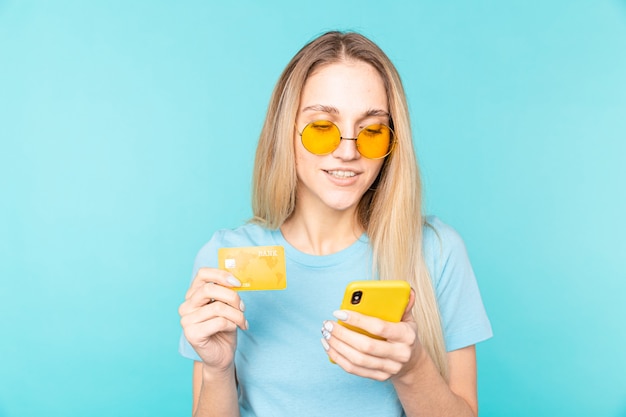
[[374, 141], [321, 137]]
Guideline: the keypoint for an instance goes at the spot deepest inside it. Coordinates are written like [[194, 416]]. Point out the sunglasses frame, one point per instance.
[[392, 143]]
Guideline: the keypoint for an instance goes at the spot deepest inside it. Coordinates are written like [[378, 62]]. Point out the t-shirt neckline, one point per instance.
[[358, 248]]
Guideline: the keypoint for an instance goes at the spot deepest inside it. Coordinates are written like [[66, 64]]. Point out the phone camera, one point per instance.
[[356, 297]]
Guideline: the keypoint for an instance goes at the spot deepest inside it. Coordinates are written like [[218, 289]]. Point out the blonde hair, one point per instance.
[[390, 213]]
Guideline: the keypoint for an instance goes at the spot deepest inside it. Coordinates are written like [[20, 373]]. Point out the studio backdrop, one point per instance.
[[128, 130]]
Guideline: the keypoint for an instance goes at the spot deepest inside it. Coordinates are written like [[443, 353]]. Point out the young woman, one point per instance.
[[336, 184]]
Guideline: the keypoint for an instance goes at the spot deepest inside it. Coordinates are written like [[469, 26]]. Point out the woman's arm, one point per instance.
[[214, 395], [423, 392], [210, 316], [402, 359]]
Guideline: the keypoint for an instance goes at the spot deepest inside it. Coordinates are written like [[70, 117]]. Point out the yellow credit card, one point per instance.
[[257, 267]]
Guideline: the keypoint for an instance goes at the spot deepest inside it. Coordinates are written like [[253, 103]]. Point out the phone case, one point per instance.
[[385, 299]]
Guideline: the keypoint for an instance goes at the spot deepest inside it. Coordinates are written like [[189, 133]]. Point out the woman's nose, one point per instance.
[[347, 148]]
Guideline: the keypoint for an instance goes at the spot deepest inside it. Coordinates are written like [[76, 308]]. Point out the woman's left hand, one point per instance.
[[372, 358]]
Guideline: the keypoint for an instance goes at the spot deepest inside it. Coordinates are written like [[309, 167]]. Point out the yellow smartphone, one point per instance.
[[386, 299]]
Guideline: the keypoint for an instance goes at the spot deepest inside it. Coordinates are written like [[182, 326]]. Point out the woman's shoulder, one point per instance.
[[458, 297], [441, 236], [248, 234], [443, 248], [445, 253]]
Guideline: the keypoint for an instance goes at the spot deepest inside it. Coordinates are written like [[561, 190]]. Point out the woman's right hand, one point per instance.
[[210, 315]]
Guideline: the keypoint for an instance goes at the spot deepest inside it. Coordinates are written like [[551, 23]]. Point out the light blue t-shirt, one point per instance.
[[281, 366]]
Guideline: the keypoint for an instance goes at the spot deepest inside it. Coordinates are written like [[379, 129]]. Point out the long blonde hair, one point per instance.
[[390, 212]]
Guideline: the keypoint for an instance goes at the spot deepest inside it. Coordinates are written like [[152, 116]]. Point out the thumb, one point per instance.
[[407, 312]]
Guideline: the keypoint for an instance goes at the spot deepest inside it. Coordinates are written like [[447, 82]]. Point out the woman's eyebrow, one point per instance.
[[321, 108], [377, 112], [333, 110]]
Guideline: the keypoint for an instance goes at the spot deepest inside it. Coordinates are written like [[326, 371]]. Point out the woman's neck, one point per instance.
[[319, 233]]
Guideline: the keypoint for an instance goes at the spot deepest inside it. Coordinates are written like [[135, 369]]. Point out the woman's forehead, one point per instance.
[[342, 86]]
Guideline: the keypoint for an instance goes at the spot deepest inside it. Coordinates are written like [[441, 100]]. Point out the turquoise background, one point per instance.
[[127, 136]]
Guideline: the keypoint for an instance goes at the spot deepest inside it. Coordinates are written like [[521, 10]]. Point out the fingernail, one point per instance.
[[247, 325], [233, 281], [326, 334], [242, 306], [325, 344], [340, 315], [328, 325]]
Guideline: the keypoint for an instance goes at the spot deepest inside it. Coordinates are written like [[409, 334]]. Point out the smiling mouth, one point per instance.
[[341, 174]]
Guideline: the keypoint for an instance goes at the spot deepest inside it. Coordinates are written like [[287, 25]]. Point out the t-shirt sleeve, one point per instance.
[[206, 257], [463, 316]]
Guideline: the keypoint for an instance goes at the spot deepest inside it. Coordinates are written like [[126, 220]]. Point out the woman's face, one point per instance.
[[351, 95]]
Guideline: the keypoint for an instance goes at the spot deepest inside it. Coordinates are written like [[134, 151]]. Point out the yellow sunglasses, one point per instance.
[[323, 137]]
